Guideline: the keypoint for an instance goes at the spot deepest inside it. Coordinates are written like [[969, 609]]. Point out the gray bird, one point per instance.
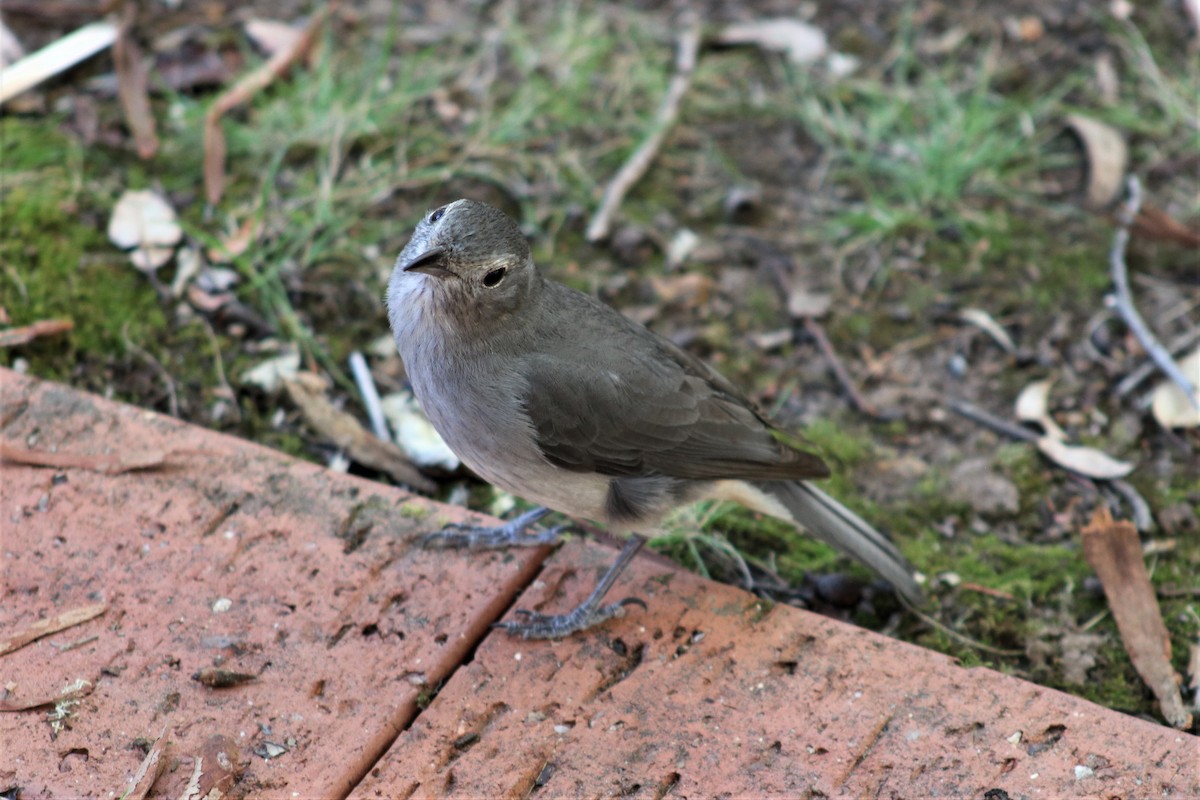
[[549, 394]]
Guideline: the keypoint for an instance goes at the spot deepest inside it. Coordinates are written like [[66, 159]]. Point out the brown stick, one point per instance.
[[240, 92], [631, 171], [859, 402]]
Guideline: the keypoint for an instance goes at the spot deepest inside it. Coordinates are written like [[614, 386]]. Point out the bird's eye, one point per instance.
[[435, 216], [494, 277]]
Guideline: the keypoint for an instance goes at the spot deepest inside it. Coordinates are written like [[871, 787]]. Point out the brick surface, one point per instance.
[[236, 557], [712, 695]]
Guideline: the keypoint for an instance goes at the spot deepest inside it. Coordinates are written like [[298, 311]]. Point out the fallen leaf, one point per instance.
[[133, 90], [986, 323], [72, 691], [1155, 223], [307, 392], [145, 221], [233, 245], [188, 264], [272, 36], [222, 767], [415, 434], [803, 43], [1086, 461], [804, 304], [270, 374], [14, 337], [1108, 159], [1113, 550], [681, 246], [1171, 406], [108, 463], [1107, 81], [149, 770], [1033, 406], [49, 625], [692, 289]]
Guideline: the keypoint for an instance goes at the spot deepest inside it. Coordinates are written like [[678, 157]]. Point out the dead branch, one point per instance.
[[686, 54], [1123, 298]]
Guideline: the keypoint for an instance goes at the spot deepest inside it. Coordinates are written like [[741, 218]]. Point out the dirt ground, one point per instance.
[[913, 212]]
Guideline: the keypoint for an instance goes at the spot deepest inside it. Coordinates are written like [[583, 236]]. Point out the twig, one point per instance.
[[1139, 509], [27, 333], [1136, 377], [860, 403], [1123, 299], [688, 49], [977, 414], [248, 86], [370, 395]]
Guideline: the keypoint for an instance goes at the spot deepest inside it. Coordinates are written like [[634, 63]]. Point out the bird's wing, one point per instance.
[[638, 405]]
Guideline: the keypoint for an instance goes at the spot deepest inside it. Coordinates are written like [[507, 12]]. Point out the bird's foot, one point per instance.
[[510, 534], [533, 625]]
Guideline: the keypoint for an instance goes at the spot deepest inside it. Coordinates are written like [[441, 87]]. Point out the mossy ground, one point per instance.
[[929, 181]]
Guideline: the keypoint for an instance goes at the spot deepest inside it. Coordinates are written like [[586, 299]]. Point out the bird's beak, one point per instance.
[[429, 262]]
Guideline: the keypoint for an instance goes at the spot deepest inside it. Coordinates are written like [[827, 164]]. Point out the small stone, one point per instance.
[[977, 484]]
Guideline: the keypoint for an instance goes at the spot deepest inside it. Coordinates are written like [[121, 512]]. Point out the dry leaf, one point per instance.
[[984, 321], [14, 337], [145, 221], [188, 264], [72, 691], [415, 434], [133, 90], [1113, 550], [150, 769], [1107, 81], [1033, 406], [233, 245], [1108, 158], [223, 767], [1155, 223], [45, 627], [307, 392], [1171, 406], [803, 304], [270, 374], [681, 246], [272, 36], [108, 463], [1087, 461], [691, 288], [803, 43], [56, 57]]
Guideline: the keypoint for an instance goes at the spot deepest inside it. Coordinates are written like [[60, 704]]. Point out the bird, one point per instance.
[[556, 397]]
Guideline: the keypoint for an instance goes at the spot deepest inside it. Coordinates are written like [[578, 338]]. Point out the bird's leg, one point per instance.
[[533, 625], [510, 534]]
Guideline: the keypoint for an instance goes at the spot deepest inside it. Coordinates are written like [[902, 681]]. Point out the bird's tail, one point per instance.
[[833, 523]]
